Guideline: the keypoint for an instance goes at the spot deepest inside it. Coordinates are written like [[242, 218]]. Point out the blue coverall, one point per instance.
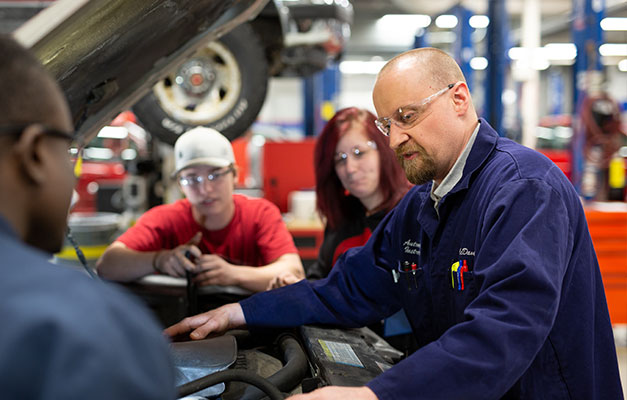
[[66, 336], [502, 288]]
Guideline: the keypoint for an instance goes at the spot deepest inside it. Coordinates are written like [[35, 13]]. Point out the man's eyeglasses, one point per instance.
[[75, 149], [15, 129], [197, 180], [408, 116], [356, 152]]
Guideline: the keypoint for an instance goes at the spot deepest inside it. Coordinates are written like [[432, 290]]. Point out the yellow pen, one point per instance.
[[454, 268]]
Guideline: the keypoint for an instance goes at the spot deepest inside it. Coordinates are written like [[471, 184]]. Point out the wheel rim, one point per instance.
[[204, 88]]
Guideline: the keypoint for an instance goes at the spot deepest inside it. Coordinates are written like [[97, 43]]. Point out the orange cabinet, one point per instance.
[[608, 227]]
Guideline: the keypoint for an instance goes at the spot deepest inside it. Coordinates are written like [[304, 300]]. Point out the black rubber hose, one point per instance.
[[292, 372], [231, 375]]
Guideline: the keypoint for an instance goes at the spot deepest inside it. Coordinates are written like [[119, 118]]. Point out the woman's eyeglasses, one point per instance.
[[356, 153]]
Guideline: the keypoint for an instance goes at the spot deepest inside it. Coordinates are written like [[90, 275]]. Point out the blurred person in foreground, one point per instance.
[[222, 238], [64, 335], [489, 256]]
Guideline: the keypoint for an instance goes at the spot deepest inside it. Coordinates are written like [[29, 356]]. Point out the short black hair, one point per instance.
[[28, 94]]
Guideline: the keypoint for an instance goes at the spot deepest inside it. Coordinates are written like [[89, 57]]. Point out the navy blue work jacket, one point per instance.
[[66, 336], [502, 288]]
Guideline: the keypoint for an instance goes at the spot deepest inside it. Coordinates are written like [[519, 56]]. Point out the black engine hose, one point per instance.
[[231, 375], [291, 374]]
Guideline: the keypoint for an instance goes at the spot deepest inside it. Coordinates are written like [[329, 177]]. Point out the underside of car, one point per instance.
[[208, 62]]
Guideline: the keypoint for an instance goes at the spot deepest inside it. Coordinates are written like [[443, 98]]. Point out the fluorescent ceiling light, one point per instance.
[[113, 132], [622, 65], [479, 63], [614, 24], [361, 67], [416, 20], [128, 154], [479, 21], [540, 64], [516, 53], [527, 58], [100, 153], [446, 21], [541, 55], [613, 49], [509, 96], [560, 51]]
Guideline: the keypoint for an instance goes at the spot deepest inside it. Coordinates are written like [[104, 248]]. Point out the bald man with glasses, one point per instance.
[[219, 237], [64, 335], [489, 256]]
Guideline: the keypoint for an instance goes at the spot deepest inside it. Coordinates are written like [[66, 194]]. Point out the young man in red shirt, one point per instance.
[[224, 238]]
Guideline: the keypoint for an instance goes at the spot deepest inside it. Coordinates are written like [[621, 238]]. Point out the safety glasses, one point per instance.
[[408, 116], [195, 181]]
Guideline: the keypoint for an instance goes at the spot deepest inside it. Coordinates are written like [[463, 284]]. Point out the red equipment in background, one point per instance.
[[287, 167], [97, 176], [102, 171]]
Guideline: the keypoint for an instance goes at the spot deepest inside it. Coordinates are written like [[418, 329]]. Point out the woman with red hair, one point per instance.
[[358, 180]]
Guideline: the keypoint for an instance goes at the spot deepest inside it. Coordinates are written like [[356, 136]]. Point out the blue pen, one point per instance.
[[459, 277]]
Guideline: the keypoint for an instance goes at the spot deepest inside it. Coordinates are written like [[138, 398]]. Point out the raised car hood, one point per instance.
[[106, 54]]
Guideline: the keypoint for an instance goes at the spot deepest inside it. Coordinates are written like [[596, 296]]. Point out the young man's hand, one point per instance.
[[178, 260], [283, 279], [212, 269]]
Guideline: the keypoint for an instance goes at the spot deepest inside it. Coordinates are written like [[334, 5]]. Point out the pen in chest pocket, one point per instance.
[[457, 274]]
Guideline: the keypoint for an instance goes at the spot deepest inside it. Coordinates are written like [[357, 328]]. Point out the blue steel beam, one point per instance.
[[463, 49], [587, 36], [497, 62], [320, 93]]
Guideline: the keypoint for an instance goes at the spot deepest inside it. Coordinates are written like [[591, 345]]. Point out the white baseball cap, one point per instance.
[[202, 146]]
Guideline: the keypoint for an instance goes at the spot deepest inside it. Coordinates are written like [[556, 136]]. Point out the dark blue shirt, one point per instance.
[[502, 289], [66, 336]]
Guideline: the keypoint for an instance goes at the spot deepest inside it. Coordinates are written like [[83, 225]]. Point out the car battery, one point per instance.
[[345, 357]]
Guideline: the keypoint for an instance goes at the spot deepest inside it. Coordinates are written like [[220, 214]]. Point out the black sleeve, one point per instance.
[[322, 266]]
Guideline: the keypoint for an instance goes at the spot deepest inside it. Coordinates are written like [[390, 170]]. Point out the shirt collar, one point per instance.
[[456, 173]]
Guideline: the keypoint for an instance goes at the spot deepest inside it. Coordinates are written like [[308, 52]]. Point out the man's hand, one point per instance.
[[174, 262], [219, 320], [338, 393], [212, 269], [283, 279]]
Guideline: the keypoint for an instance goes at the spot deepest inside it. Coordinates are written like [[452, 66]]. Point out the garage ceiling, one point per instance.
[[366, 41], [549, 7]]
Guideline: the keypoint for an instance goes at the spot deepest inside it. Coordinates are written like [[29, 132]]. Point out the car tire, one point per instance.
[[222, 86]]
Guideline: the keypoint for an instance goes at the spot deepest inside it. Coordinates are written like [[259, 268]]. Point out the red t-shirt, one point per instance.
[[255, 236]]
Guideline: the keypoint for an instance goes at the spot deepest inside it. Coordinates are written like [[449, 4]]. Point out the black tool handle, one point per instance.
[[191, 289]]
